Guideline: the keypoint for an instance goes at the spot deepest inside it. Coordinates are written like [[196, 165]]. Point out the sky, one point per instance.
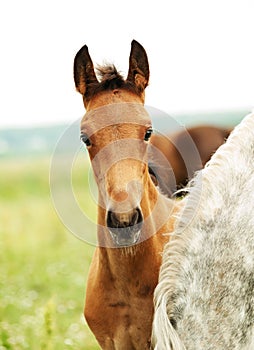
[[201, 54]]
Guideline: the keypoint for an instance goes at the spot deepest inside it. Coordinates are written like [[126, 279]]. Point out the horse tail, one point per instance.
[[164, 335]]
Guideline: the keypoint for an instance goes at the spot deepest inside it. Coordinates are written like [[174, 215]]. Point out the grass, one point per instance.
[[43, 267]]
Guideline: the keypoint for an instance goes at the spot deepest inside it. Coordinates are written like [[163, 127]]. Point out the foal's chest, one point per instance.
[[130, 323], [122, 320]]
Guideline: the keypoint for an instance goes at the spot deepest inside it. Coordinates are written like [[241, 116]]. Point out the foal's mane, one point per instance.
[[109, 78], [108, 73]]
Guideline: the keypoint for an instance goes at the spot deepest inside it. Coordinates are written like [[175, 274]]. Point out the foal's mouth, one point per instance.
[[125, 237], [125, 228]]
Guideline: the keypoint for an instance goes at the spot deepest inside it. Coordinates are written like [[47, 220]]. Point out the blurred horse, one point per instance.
[[134, 218], [205, 296], [174, 158]]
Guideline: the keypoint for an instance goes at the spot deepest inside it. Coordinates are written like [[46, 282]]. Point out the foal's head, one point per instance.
[[116, 130]]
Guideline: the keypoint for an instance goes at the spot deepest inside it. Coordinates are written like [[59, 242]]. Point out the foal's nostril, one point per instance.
[[122, 220], [112, 219], [136, 217]]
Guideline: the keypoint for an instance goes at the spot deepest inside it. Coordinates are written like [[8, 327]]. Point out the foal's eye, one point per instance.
[[85, 139], [148, 134]]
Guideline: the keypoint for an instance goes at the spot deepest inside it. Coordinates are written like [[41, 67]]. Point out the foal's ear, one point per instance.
[[138, 66], [83, 70]]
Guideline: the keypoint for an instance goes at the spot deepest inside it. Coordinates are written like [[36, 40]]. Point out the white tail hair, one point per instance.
[[205, 296]]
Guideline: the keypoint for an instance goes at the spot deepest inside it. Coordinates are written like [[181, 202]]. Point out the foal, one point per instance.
[[134, 219]]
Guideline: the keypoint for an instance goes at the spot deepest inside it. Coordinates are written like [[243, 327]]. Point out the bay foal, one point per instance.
[[134, 219]]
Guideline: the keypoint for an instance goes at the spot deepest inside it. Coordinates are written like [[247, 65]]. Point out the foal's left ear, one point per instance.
[[138, 66]]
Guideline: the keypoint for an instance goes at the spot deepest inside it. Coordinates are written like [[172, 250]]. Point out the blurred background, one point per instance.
[[201, 58]]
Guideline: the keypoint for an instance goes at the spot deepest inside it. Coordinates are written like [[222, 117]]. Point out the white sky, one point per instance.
[[201, 53]]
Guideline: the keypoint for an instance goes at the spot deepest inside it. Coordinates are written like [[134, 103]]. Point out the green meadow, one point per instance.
[[43, 267]]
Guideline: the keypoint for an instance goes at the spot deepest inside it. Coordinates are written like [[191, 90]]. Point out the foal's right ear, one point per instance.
[[83, 70]]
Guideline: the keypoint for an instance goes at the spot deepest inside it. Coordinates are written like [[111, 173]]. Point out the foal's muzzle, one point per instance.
[[125, 227]]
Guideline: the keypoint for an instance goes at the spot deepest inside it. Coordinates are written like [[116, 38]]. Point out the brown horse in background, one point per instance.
[[134, 218], [174, 158]]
